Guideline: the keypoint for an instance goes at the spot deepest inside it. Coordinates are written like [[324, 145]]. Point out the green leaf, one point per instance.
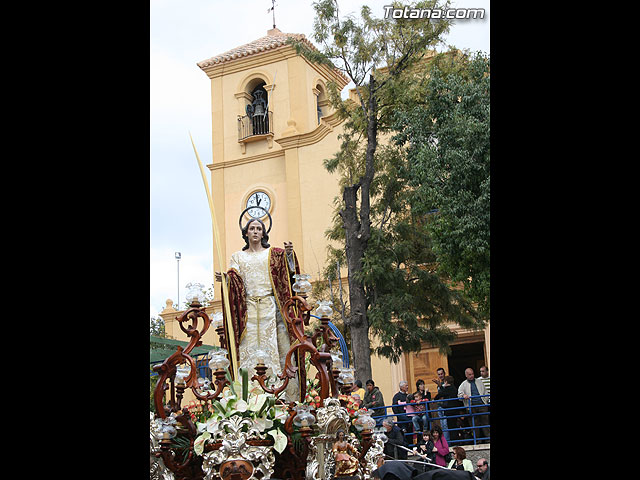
[[244, 374], [270, 402], [218, 406]]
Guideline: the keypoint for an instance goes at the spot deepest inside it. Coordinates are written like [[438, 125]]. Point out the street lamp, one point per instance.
[[178, 257]]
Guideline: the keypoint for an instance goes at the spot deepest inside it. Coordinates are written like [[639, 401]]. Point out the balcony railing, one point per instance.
[[255, 126]]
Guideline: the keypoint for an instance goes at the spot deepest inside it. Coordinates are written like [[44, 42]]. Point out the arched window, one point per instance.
[[257, 119], [257, 110]]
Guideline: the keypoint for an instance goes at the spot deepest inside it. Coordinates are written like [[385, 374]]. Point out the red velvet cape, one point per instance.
[[281, 282]]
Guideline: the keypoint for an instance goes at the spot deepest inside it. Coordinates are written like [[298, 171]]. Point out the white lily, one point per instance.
[[254, 388], [198, 445], [280, 440], [228, 401], [257, 401], [263, 423], [241, 406], [211, 424], [281, 413], [237, 386]]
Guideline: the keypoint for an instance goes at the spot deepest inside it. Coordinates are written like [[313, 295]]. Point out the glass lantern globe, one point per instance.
[[261, 357], [302, 284], [218, 359], [346, 376], [216, 320], [304, 417], [324, 309], [380, 433], [204, 383], [168, 431], [182, 372], [364, 420], [336, 358], [166, 427], [195, 292]]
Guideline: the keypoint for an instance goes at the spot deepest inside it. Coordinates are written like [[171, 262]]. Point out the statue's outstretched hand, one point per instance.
[[288, 247], [218, 277]]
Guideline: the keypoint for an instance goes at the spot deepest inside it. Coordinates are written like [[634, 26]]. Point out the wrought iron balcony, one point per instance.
[[258, 126]]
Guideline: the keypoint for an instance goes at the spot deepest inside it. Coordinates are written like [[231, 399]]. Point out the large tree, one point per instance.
[[447, 133], [373, 53]]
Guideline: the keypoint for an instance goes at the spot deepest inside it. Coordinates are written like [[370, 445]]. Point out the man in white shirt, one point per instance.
[[486, 379], [472, 387]]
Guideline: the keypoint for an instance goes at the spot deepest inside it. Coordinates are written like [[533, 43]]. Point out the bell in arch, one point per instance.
[[258, 103]]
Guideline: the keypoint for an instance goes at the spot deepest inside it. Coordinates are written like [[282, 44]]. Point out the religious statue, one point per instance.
[[259, 280], [345, 456]]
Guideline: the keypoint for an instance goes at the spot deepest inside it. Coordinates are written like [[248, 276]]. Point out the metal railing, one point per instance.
[[255, 125], [463, 425]]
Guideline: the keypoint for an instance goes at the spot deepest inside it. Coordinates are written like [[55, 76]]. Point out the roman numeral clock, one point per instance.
[[261, 199]]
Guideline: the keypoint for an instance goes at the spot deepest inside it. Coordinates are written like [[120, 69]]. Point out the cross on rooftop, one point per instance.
[[273, 9]]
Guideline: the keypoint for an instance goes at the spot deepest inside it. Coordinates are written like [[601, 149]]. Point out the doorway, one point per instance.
[[464, 356]]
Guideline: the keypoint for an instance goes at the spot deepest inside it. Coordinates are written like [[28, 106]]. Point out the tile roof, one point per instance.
[[274, 39]]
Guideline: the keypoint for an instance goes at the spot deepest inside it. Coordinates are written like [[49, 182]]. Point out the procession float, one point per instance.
[[241, 427]]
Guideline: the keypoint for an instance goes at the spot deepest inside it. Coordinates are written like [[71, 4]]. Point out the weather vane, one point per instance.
[[273, 9]]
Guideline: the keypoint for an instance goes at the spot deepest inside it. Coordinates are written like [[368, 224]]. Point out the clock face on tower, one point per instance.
[[258, 199]]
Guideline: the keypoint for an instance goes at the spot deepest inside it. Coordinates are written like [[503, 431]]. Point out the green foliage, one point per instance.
[[359, 47], [410, 302], [448, 146], [156, 327], [153, 381]]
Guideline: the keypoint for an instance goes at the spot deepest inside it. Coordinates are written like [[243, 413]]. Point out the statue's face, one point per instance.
[[254, 232], [340, 436]]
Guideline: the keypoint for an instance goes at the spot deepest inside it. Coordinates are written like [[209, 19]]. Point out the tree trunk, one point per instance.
[[357, 227], [357, 322]]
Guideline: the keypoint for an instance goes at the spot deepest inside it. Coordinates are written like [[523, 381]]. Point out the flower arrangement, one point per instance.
[[200, 411], [313, 399], [312, 396], [351, 404], [245, 400]]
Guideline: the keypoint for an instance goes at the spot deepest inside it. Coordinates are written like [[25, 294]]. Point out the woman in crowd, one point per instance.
[[460, 461], [423, 389], [440, 444], [426, 396]]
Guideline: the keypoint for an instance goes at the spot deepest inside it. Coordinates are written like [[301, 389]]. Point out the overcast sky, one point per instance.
[[184, 32]]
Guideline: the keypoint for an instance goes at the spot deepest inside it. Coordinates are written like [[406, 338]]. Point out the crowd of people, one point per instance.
[[449, 407], [426, 429]]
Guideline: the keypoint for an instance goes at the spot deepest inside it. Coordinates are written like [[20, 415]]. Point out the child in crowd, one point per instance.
[[420, 419]]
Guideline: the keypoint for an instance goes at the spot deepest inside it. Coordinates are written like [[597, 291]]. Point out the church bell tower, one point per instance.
[[272, 127]]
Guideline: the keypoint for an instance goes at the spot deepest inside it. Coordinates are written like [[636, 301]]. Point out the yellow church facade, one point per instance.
[[272, 128]]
